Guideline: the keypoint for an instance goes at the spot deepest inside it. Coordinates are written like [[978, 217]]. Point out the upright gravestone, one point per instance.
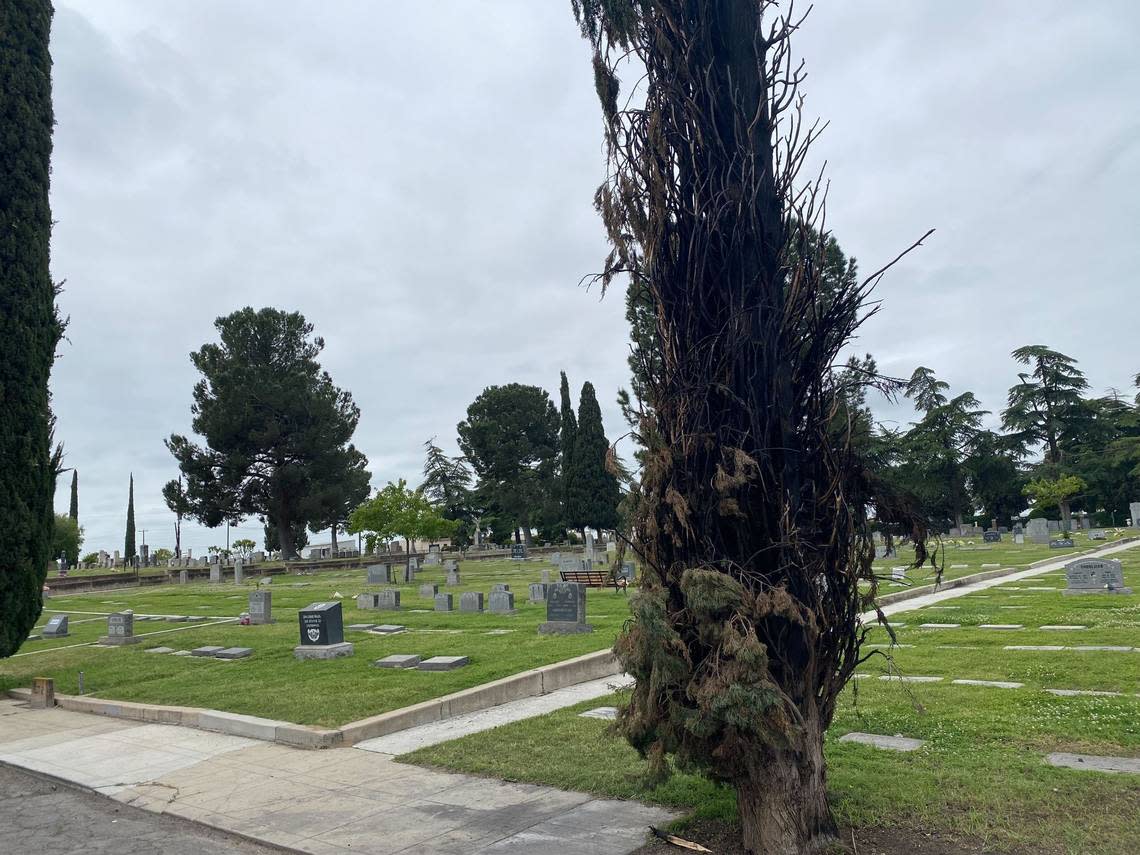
[[260, 607], [1037, 530], [1095, 576], [992, 536], [429, 591], [628, 570], [499, 586], [388, 600], [450, 564], [565, 609], [1134, 512], [590, 546], [1019, 539], [239, 572], [545, 577], [322, 632], [215, 573], [452, 578], [471, 602], [366, 601], [555, 558], [443, 602], [518, 551], [120, 629], [379, 574], [501, 603], [183, 577], [537, 592], [56, 627], [1097, 534]]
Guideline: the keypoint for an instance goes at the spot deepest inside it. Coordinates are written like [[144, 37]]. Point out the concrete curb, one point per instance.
[[902, 596], [539, 681]]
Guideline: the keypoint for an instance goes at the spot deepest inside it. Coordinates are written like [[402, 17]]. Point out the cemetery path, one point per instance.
[[336, 801]]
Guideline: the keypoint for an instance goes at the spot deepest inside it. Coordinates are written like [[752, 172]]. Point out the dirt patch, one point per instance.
[[724, 839]]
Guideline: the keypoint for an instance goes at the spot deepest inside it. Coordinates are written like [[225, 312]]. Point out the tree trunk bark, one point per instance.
[[783, 800], [285, 536], [1066, 516], [178, 537], [334, 546]]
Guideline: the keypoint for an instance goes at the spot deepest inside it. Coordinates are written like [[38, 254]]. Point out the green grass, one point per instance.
[[272, 683], [981, 773]]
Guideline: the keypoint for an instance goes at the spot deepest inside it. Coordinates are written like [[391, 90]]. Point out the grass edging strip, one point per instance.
[[538, 681]]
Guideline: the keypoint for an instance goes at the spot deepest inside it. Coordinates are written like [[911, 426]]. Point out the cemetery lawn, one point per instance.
[[981, 776], [271, 683]]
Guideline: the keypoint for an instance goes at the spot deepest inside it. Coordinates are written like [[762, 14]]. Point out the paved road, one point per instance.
[[41, 818]]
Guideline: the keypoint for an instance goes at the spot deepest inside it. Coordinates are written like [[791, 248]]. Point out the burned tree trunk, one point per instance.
[[752, 524]]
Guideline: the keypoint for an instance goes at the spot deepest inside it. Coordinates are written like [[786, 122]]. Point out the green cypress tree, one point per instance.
[[129, 541], [567, 431], [594, 493], [29, 325], [74, 510]]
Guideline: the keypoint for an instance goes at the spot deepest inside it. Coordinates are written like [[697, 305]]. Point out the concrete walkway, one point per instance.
[[337, 801]]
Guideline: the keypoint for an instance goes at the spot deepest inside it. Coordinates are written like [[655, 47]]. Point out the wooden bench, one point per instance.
[[591, 578]]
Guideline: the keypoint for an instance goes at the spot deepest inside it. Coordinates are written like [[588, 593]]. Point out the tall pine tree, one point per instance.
[[568, 430], [594, 493], [29, 325], [129, 540], [73, 512]]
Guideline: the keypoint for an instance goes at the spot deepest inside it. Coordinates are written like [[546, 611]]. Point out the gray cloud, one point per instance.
[[417, 179]]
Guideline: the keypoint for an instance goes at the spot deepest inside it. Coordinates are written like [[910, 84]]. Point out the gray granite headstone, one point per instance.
[[471, 601], [56, 627], [442, 663], [366, 601], [538, 592], [260, 607], [120, 629], [501, 603], [239, 572], [388, 600], [429, 591], [1037, 530], [215, 572], [399, 660], [565, 609], [452, 579], [443, 602], [1095, 576], [183, 577], [379, 574], [499, 586], [545, 577], [1134, 511]]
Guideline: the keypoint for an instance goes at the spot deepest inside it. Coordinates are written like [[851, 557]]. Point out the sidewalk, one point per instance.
[[337, 801]]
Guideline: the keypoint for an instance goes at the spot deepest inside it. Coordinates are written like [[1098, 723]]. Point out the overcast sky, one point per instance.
[[417, 180]]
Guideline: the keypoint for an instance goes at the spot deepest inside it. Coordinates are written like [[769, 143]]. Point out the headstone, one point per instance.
[[399, 660], [120, 629], [1053, 525], [429, 591], [471, 601], [388, 600], [56, 627], [260, 607], [992, 537], [499, 586], [1063, 543], [1097, 534], [366, 601], [589, 546], [215, 573], [565, 609], [239, 572], [322, 632], [413, 563], [379, 574], [555, 558], [1037, 530], [545, 577], [501, 603], [452, 579], [628, 570], [1134, 512], [518, 551], [611, 548], [409, 573], [257, 558], [450, 564], [443, 663], [183, 577], [1019, 539], [1095, 576], [443, 602], [537, 592]]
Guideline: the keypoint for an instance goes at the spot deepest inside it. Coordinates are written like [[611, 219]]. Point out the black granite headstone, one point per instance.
[[321, 624], [992, 537]]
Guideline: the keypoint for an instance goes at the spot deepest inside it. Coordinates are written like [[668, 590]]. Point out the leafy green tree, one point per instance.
[[244, 547], [510, 437], [174, 494], [73, 510], [129, 537], [162, 555], [567, 433], [1057, 491], [29, 324], [333, 501], [594, 493], [926, 390], [397, 511], [272, 538], [67, 538], [1045, 409], [447, 485], [277, 431], [89, 558], [996, 480]]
